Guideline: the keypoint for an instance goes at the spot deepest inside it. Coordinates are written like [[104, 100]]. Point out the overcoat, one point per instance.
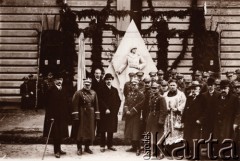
[[133, 103], [192, 112], [85, 104], [56, 108], [157, 115], [208, 104], [109, 99], [226, 112]]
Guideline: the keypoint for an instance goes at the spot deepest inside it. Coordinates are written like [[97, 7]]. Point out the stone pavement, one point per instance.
[[26, 126]]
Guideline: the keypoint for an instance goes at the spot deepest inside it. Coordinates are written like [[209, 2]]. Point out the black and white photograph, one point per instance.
[[120, 80]]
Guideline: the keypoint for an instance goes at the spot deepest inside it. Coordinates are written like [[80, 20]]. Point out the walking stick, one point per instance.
[[52, 121]]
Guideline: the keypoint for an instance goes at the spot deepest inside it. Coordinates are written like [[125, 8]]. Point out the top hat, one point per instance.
[[224, 83]]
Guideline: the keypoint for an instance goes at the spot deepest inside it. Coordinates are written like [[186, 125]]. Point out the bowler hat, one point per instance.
[[108, 75], [210, 81]]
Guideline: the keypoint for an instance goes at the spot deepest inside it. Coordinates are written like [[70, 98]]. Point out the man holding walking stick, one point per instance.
[[56, 121]]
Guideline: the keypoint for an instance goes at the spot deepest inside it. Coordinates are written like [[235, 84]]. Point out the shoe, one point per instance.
[[57, 155], [62, 152], [87, 150], [131, 150], [79, 152], [112, 148], [138, 152], [102, 149]]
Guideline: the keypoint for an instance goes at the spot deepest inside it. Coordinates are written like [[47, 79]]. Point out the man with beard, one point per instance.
[[85, 110], [132, 107], [109, 103], [226, 111], [191, 115], [56, 110]]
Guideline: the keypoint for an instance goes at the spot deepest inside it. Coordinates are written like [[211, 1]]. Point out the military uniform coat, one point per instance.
[[133, 103], [157, 115], [109, 99], [56, 108], [85, 104]]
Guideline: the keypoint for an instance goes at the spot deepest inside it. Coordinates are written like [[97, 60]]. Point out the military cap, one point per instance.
[[173, 71], [152, 74], [108, 75], [198, 73], [87, 81], [224, 83], [147, 80], [195, 84], [237, 84], [164, 83], [135, 81], [155, 85], [210, 81], [229, 73], [131, 74], [188, 80], [180, 76], [139, 73], [205, 74], [217, 81], [30, 75], [160, 72], [237, 71], [50, 75]]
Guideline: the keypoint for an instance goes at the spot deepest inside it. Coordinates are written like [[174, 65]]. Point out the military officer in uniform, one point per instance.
[[153, 76], [132, 107], [85, 110], [157, 116], [160, 74], [127, 85], [140, 79]]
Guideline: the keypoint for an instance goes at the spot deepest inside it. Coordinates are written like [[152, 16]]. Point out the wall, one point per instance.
[[21, 22]]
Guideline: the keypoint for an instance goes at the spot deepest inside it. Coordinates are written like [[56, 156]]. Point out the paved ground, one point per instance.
[[35, 152]]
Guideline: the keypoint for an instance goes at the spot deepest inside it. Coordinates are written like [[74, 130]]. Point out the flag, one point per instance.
[[81, 71]]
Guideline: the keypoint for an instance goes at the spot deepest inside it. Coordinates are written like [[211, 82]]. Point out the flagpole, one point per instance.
[[81, 62]]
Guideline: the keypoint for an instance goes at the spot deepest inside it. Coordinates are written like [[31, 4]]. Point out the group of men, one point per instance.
[[190, 110]]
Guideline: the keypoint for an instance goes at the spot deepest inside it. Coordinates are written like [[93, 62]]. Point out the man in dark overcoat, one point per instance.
[[208, 100], [192, 114], [225, 115], [157, 115], [109, 104], [25, 94], [97, 83], [85, 110], [132, 107], [56, 111]]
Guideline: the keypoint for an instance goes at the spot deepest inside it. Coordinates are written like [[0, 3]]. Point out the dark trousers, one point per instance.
[[85, 142], [135, 144], [109, 139], [56, 145]]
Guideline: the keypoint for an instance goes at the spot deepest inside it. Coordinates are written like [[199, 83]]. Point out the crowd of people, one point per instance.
[[185, 109]]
